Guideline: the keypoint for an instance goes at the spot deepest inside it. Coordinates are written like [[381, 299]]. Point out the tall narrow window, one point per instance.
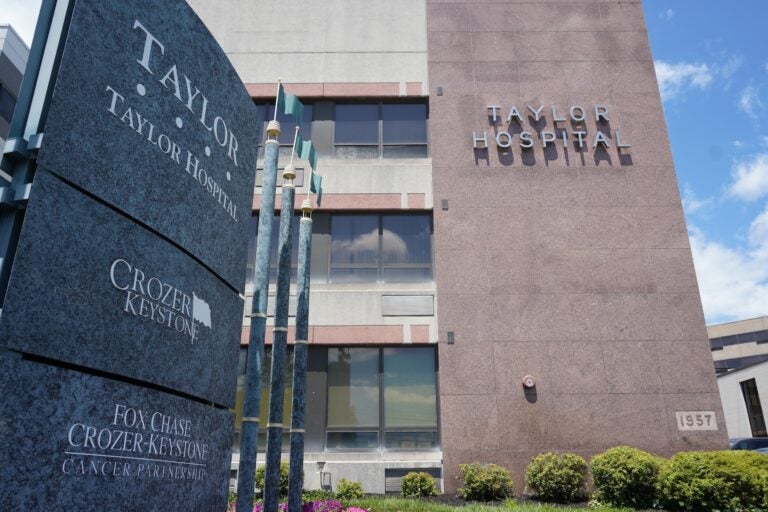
[[382, 398], [406, 248], [410, 400], [754, 408], [353, 398]]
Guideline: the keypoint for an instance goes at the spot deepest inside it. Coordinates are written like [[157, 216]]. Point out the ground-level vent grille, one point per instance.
[[393, 477]]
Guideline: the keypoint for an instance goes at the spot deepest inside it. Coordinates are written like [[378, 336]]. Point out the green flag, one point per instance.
[[316, 186], [312, 157], [303, 148], [306, 151], [291, 104]]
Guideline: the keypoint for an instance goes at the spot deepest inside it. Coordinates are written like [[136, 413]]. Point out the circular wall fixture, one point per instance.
[[528, 382]]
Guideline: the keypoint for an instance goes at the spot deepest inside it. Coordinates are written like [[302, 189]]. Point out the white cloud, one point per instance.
[[727, 70], [733, 281], [22, 16], [750, 102], [750, 178], [667, 14], [764, 141], [758, 231], [738, 144], [675, 78], [691, 203]]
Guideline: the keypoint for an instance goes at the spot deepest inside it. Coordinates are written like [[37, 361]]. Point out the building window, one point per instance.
[[380, 130], [754, 408], [363, 130], [381, 248], [382, 398]]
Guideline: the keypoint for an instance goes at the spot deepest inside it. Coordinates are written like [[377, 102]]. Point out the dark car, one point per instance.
[[748, 443]]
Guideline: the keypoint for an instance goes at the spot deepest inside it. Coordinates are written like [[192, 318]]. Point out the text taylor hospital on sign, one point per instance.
[[577, 116]]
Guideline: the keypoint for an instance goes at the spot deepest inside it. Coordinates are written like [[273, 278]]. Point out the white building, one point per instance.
[[744, 394]]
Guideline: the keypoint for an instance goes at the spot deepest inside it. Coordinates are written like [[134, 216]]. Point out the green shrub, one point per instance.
[[485, 482], [626, 477], [559, 478], [347, 490], [724, 481], [316, 495], [418, 485], [259, 481]]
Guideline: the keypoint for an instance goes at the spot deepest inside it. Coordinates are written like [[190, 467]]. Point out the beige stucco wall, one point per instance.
[[332, 41]]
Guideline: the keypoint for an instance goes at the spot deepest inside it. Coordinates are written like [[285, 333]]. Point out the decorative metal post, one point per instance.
[[295, 477], [249, 435], [280, 342], [23, 140]]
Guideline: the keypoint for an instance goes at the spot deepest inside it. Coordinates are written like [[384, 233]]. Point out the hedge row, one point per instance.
[[726, 481]]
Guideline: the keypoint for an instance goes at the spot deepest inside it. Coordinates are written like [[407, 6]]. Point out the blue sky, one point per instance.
[[712, 65]]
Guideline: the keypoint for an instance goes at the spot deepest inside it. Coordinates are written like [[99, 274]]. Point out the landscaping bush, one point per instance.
[[559, 478], [418, 485], [626, 477], [347, 490], [724, 481], [316, 495], [259, 481], [485, 482]]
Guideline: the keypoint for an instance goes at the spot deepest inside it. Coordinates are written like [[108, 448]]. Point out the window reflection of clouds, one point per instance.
[[386, 248], [369, 242], [353, 395], [410, 387], [414, 395]]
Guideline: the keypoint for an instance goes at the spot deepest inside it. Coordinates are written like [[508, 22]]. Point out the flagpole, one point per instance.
[[295, 476], [249, 434], [279, 342], [277, 100]]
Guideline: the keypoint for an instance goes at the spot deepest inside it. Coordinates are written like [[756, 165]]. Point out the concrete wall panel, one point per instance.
[[321, 42], [571, 264]]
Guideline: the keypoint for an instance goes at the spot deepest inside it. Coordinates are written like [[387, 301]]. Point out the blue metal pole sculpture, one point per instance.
[[249, 436], [279, 343], [295, 476]]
